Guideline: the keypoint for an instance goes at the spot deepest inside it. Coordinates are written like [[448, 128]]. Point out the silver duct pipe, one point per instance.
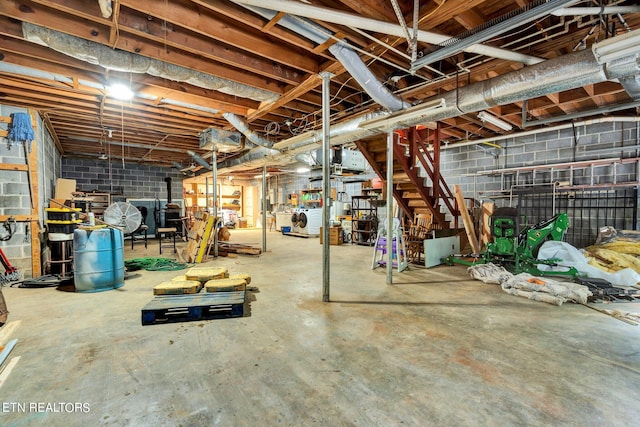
[[363, 75], [632, 86], [554, 75], [340, 133], [343, 53], [257, 154], [243, 128], [202, 162], [357, 21], [119, 60]]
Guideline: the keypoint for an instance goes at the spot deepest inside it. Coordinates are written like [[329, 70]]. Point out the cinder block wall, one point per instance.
[[134, 181], [582, 143], [15, 192]]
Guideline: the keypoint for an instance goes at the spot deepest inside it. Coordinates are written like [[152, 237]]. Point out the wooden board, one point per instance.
[[236, 248], [466, 219]]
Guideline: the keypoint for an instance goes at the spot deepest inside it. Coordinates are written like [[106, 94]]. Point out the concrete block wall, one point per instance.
[[15, 191], [582, 143], [134, 181]]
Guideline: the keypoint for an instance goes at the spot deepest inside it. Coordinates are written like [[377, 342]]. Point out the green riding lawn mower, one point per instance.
[[517, 250]]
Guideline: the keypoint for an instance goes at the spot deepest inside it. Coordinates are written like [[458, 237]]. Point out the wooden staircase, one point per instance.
[[413, 192]]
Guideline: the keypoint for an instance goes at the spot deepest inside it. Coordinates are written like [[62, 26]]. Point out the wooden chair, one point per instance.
[[415, 235]]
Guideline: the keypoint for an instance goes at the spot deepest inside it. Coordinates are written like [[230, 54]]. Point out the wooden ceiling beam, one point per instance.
[[96, 33], [157, 87], [238, 13], [202, 21]]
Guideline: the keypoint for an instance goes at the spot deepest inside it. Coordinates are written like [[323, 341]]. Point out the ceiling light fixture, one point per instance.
[[120, 91], [399, 119], [260, 176], [488, 118], [303, 170], [103, 156]]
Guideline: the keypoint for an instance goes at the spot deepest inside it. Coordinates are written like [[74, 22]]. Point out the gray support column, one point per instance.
[[264, 208], [326, 184], [214, 169], [389, 197]]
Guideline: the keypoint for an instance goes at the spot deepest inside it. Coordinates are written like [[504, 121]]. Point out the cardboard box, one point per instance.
[[335, 236], [64, 188]]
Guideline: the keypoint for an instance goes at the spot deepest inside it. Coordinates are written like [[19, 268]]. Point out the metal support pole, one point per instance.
[[214, 168], [389, 197], [264, 208], [326, 184]]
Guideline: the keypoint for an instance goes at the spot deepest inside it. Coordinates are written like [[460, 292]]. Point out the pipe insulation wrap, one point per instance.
[[119, 60], [357, 21], [243, 128], [202, 162], [343, 53]]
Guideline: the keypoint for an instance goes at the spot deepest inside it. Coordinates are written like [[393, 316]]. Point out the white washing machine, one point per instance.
[[294, 220], [309, 221]]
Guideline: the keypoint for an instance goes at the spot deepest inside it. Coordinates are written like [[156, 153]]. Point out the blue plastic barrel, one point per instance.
[[98, 259]]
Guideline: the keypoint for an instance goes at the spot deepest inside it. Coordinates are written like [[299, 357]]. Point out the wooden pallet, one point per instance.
[[189, 308], [306, 236], [237, 248]]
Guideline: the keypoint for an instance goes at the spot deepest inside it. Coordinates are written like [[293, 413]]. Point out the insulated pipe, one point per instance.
[[120, 60], [542, 130], [606, 10], [602, 110], [357, 21], [554, 75], [202, 162], [343, 53], [243, 127]]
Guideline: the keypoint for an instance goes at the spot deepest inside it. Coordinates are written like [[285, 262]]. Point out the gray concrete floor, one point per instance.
[[434, 348]]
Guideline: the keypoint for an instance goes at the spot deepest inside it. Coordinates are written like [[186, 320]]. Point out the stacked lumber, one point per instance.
[[200, 236]]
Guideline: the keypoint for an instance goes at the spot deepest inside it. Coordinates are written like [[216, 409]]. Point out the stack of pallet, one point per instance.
[[200, 294]]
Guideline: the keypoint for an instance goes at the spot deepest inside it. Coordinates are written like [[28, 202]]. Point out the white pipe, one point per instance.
[[357, 21], [607, 10], [541, 130]]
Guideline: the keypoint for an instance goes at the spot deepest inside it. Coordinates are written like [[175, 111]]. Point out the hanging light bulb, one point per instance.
[[120, 91]]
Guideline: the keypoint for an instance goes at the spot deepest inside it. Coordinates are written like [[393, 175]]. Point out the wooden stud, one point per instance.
[[466, 219]]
